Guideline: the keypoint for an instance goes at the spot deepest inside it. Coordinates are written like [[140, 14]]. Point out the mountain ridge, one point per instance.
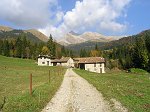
[[89, 45], [34, 32], [73, 38]]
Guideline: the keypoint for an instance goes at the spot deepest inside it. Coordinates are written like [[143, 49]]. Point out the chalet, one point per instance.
[[44, 60], [93, 64], [64, 61]]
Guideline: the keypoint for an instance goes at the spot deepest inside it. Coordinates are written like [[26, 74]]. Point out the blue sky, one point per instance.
[[138, 16], [58, 17]]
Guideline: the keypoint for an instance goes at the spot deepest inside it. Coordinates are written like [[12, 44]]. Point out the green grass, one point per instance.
[[132, 90], [138, 71], [14, 84]]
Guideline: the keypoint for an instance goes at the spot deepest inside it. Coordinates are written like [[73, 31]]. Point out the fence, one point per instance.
[[25, 81]]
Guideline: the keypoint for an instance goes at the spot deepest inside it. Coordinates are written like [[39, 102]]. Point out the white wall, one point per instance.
[[44, 61], [100, 67], [69, 63]]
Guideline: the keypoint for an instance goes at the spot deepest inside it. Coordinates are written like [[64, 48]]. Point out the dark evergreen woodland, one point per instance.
[[21, 47]]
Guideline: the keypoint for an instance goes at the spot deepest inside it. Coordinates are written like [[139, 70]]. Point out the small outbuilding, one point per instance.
[[64, 61], [93, 64], [44, 60]]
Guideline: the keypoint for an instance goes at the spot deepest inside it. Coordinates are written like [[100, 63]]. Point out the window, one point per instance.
[[100, 65], [94, 64], [43, 62]]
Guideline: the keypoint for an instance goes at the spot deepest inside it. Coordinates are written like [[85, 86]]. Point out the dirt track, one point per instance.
[[77, 95]]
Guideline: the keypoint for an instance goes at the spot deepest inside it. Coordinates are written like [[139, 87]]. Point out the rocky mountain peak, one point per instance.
[[74, 38]]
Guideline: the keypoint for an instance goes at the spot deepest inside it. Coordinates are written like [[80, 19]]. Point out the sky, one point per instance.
[[58, 17]]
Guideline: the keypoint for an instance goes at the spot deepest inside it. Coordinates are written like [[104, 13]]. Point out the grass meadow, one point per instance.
[[132, 90], [14, 84]]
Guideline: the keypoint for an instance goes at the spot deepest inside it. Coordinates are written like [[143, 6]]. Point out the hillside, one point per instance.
[[125, 40], [5, 28], [89, 45], [14, 34], [107, 45], [117, 43], [32, 34], [38, 34]]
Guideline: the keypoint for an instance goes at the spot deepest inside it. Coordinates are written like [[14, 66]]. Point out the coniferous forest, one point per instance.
[[21, 47], [125, 53], [134, 54]]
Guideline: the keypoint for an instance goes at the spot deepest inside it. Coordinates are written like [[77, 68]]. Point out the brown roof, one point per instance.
[[63, 59], [55, 60], [90, 60], [46, 56]]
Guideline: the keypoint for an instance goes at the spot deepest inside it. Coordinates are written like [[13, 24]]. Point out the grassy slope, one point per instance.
[[14, 84], [132, 90]]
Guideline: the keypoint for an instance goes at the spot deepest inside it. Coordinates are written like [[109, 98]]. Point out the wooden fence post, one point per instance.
[[31, 84], [49, 76]]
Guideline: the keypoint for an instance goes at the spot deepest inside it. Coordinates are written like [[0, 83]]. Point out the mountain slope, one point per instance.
[[125, 40], [38, 34], [88, 45], [32, 34], [107, 45], [5, 28], [74, 38], [13, 34]]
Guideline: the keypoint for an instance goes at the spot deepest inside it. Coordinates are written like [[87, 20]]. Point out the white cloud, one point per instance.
[[112, 26], [27, 13], [100, 15], [47, 16]]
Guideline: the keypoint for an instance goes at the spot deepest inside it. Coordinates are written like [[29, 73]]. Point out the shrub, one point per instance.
[[137, 70]]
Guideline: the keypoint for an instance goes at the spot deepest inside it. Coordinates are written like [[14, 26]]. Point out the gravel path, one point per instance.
[[76, 95]]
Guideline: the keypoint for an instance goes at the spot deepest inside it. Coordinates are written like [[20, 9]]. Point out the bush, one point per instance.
[[137, 70]]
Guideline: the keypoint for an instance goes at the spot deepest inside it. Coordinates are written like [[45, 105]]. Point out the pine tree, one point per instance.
[[1, 47], [96, 47], [141, 54], [24, 45], [19, 48], [147, 42], [6, 48], [83, 53], [63, 51], [51, 45]]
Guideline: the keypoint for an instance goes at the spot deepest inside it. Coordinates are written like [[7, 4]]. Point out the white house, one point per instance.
[[93, 64], [64, 61], [44, 60]]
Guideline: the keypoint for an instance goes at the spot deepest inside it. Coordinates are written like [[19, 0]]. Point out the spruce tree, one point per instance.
[[1, 47], [24, 45], [140, 54], [19, 48], [6, 48], [51, 45], [63, 51]]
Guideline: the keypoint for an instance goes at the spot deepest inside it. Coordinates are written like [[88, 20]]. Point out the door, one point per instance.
[[101, 70], [47, 62], [82, 66]]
